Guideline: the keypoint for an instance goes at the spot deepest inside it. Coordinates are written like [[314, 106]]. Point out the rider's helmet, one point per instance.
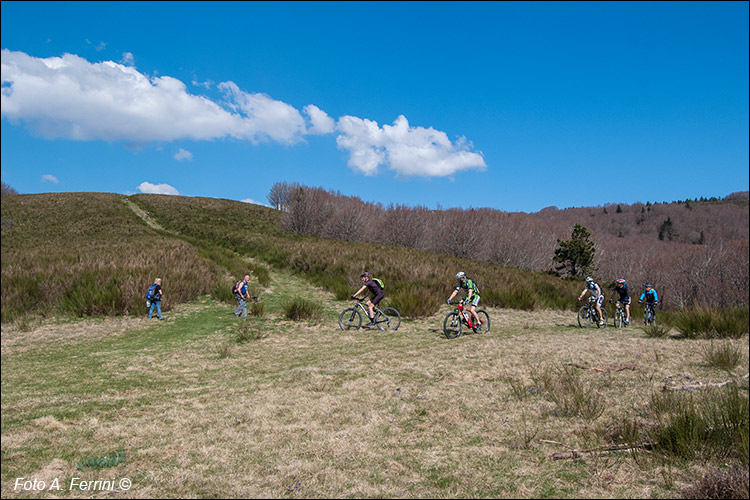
[[648, 285], [589, 279], [460, 275], [620, 282], [365, 275]]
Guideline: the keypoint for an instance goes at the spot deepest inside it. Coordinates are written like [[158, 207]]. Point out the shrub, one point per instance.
[[724, 355], [571, 395], [247, 332], [258, 309], [712, 322], [718, 483], [709, 425], [415, 301], [655, 331], [301, 309]]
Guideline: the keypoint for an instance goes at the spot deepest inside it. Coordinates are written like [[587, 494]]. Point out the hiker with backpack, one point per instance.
[[153, 298], [242, 295]]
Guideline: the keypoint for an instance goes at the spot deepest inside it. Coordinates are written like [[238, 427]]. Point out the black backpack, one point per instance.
[[237, 286]]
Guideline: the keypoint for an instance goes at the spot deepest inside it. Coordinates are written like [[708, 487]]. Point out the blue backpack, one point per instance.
[[151, 292]]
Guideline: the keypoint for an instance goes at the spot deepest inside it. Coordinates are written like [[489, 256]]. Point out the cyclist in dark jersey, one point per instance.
[[374, 286], [472, 294], [621, 290]]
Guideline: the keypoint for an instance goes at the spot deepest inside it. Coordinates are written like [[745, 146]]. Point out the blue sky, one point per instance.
[[514, 106]]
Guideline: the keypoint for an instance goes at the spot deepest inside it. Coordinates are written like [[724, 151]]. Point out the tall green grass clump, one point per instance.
[[571, 395], [712, 322], [723, 355], [414, 301], [709, 425], [298, 309]]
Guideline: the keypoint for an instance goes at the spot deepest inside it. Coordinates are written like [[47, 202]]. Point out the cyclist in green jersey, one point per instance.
[[472, 294]]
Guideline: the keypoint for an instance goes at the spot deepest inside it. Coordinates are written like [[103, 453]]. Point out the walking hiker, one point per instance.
[[153, 298], [242, 295]]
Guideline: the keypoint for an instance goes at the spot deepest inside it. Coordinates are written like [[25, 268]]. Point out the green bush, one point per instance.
[[301, 309], [725, 355], [712, 322], [415, 301], [709, 425]]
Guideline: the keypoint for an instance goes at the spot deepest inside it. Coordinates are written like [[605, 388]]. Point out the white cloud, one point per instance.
[[50, 178], [409, 151], [264, 116], [320, 122], [183, 154], [128, 59], [252, 201], [147, 187], [70, 97]]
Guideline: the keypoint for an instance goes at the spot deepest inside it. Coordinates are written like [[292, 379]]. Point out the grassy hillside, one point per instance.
[[94, 254]]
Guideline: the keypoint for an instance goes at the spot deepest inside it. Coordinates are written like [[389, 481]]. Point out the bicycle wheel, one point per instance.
[[452, 325], [350, 319], [648, 316], [584, 317], [485, 319], [618, 319], [388, 319], [605, 319]]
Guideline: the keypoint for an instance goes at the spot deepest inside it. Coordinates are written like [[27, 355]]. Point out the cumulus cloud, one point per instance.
[[409, 151], [70, 97], [50, 178], [183, 154], [320, 122], [252, 201], [147, 187]]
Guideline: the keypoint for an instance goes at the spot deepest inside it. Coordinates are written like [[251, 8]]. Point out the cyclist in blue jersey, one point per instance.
[[649, 295], [598, 294], [472, 294], [621, 291]]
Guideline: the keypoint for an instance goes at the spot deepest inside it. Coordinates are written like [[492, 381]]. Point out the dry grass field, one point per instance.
[[306, 410]]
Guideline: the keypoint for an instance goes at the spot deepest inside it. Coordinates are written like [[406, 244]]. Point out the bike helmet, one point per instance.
[[589, 279], [460, 275], [620, 282], [365, 275], [648, 285]]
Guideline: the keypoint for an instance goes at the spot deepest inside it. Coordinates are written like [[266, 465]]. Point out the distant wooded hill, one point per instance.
[[693, 251]]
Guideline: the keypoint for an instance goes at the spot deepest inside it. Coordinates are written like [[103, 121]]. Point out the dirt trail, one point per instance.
[[143, 215]]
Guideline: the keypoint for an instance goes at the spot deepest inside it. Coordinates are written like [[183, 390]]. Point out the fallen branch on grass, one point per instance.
[[598, 451], [603, 370], [701, 385]]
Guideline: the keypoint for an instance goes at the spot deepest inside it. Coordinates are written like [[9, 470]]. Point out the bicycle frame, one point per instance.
[[466, 315]]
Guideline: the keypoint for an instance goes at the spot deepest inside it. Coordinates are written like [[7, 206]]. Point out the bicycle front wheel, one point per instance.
[[485, 319], [350, 319], [604, 320], [584, 317], [388, 319], [452, 325], [618, 319]]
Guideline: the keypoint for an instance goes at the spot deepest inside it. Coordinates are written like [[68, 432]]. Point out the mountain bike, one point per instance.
[[587, 314], [620, 318], [454, 322], [386, 319], [649, 312]]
